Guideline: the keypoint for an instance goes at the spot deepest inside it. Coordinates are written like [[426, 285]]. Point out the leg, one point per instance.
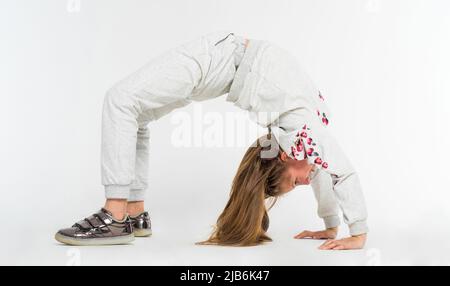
[[154, 90], [140, 184], [119, 139], [195, 70]]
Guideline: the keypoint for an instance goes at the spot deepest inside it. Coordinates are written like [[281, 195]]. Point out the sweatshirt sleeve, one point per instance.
[[303, 134], [327, 204]]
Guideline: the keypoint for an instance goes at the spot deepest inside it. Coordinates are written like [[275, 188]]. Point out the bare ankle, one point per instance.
[[135, 208], [117, 207]]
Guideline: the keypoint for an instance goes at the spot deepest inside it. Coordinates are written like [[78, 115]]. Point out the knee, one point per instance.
[[113, 97], [118, 99]]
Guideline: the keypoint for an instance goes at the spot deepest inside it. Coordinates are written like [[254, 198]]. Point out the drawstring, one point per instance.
[[224, 39]]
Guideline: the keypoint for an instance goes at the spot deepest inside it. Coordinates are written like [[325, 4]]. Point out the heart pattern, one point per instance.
[[322, 115], [299, 148]]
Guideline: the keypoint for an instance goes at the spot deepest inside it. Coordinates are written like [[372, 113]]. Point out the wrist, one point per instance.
[[362, 235], [332, 232], [360, 238]]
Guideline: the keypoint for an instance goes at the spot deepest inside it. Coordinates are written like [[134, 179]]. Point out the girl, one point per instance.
[[259, 77]]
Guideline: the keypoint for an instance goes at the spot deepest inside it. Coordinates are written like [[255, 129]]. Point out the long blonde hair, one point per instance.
[[244, 221]]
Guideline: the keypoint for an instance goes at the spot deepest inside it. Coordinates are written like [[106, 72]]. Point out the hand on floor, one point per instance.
[[323, 234], [353, 242]]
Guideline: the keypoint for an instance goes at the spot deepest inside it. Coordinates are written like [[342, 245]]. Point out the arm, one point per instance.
[[328, 207], [327, 156]]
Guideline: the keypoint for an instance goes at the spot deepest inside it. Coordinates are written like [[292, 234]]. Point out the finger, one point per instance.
[[340, 242], [328, 247], [329, 244], [326, 244], [339, 247], [303, 234], [323, 245]]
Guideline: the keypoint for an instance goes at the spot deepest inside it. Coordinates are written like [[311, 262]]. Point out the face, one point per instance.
[[297, 173]]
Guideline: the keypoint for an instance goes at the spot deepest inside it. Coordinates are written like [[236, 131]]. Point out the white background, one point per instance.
[[383, 67]]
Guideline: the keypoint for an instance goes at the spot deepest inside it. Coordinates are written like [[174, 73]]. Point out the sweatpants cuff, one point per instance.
[[137, 195], [117, 191], [359, 227], [331, 221]]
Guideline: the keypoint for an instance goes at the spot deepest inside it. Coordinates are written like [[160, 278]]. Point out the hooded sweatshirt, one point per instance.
[[271, 84]]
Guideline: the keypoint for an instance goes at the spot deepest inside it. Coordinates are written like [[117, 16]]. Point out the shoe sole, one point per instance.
[[142, 232], [123, 239]]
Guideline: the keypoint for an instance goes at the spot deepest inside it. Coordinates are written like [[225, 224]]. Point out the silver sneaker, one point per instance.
[[100, 228], [142, 226]]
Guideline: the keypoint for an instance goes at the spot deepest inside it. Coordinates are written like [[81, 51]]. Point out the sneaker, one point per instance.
[[99, 229], [142, 225]]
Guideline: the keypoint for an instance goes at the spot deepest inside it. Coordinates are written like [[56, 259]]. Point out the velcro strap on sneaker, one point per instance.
[[104, 217], [95, 221], [83, 224]]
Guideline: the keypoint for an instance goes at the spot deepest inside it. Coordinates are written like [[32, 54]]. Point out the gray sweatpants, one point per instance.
[[194, 71]]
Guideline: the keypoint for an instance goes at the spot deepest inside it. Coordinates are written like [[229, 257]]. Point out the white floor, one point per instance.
[[177, 247], [165, 249], [182, 217], [411, 231]]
